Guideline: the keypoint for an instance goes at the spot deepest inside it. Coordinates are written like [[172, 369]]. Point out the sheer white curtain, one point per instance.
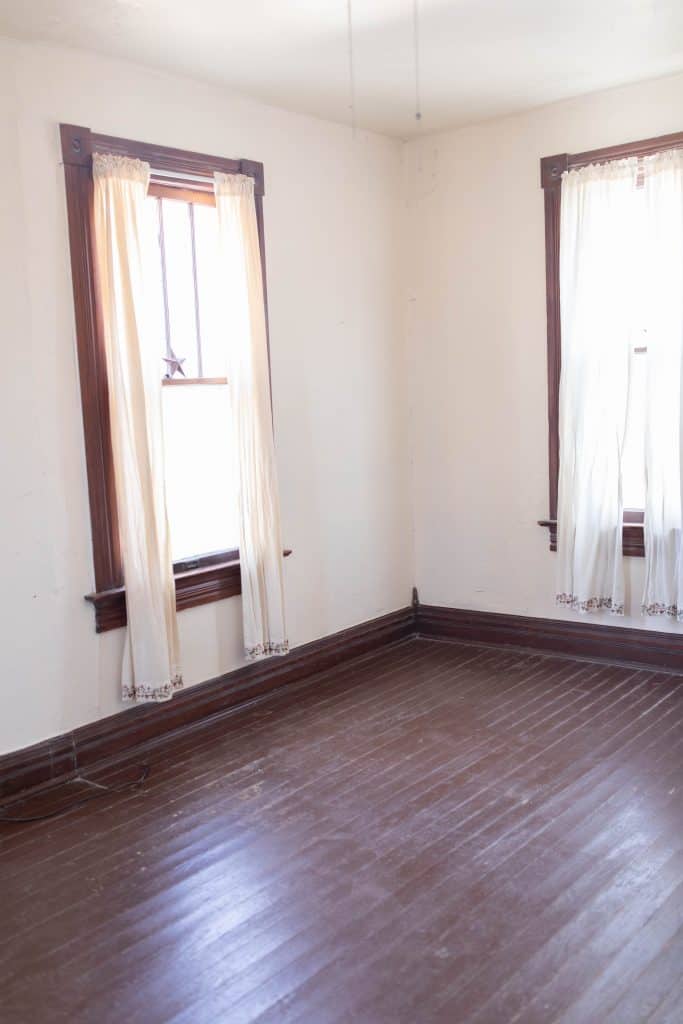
[[150, 668], [249, 381], [663, 281], [596, 285]]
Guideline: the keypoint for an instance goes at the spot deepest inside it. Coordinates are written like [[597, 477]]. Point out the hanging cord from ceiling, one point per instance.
[[352, 68], [416, 59]]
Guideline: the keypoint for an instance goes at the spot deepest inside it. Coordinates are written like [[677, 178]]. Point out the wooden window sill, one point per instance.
[[192, 587], [633, 540], [174, 382]]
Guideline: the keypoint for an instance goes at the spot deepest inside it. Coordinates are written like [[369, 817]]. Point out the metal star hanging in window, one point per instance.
[[173, 365]]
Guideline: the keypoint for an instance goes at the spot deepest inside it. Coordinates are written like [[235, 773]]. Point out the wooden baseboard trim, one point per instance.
[[121, 733], [644, 647]]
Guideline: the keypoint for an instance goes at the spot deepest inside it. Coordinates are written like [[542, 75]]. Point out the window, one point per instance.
[[633, 455], [181, 233], [181, 250]]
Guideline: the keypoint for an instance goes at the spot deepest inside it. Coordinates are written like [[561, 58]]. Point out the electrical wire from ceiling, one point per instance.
[[352, 69], [352, 65], [416, 60]]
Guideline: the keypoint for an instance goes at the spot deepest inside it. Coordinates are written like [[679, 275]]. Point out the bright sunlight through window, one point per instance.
[[191, 343]]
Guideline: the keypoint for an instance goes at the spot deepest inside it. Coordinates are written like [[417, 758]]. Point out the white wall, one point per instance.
[[476, 347], [332, 230], [452, 255]]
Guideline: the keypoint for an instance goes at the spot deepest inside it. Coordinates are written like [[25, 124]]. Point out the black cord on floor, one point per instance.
[[102, 791]]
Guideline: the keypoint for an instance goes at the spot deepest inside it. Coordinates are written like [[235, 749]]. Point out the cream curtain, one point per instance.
[[596, 285], [150, 668], [663, 286], [249, 381]]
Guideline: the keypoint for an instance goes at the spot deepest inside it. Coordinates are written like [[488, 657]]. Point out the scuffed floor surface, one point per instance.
[[437, 833]]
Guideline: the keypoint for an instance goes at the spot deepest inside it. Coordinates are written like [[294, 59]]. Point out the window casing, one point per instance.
[[552, 169], [176, 174]]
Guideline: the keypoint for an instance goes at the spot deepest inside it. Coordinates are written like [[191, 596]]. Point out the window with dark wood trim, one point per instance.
[[552, 169], [177, 174]]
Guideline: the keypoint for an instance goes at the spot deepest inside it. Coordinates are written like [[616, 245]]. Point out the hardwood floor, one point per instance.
[[437, 833]]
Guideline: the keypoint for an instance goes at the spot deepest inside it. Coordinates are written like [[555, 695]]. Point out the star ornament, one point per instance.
[[173, 365]]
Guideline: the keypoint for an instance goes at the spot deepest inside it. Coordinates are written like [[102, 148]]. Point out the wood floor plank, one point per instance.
[[299, 792], [432, 931], [441, 832]]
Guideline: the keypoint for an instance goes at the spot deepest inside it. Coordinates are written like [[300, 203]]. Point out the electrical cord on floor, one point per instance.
[[102, 791]]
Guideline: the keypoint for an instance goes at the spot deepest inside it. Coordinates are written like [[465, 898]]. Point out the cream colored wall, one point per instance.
[[451, 257], [332, 230], [476, 346]]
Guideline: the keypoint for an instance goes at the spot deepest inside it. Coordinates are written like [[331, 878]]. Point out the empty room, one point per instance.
[[342, 449]]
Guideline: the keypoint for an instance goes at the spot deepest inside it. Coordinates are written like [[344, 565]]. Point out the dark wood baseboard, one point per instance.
[[121, 733], [554, 636]]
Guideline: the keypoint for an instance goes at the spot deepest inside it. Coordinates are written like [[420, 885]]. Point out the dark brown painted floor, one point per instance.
[[439, 833]]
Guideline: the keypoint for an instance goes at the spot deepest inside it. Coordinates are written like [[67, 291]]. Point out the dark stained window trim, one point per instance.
[[633, 541], [208, 582], [552, 169], [178, 173]]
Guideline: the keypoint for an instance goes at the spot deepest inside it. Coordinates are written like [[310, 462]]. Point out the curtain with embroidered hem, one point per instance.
[[150, 670], [596, 277], [662, 177], [260, 547]]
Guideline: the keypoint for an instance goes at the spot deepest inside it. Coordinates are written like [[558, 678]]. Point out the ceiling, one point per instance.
[[479, 58]]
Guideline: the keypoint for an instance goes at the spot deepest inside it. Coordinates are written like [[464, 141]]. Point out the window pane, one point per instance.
[[180, 283], [154, 281], [212, 323], [633, 458], [200, 480]]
